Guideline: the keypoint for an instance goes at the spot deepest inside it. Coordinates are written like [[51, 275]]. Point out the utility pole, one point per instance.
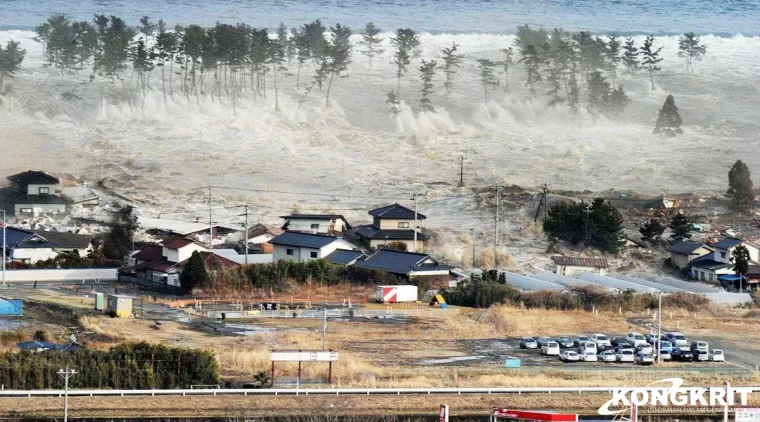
[[414, 196], [324, 329], [496, 220], [546, 192], [5, 217], [210, 223], [461, 172], [246, 233], [472, 234], [68, 373], [659, 327]]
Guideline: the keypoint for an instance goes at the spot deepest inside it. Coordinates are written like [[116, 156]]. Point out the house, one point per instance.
[[392, 224], [683, 253], [316, 223], [719, 263], [163, 263], [419, 266], [239, 258], [345, 257], [569, 265], [33, 193], [32, 246], [259, 237], [168, 228], [80, 195], [302, 247]]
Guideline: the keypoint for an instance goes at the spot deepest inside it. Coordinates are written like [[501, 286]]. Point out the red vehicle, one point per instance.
[[501, 414]]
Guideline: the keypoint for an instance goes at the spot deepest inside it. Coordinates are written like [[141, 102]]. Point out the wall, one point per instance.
[[325, 226], [377, 244], [40, 209], [679, 260], [304, 254], [179, 255], [35, 189], [390, 224], [61, 274], [280, 253], [32, 255], [569, 270]]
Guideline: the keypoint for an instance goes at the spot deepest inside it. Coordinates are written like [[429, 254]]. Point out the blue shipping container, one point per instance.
[[512, 363], [11, 307]]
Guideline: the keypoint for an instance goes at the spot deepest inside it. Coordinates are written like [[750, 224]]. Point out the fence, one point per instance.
[[334, 313], [71, 274]]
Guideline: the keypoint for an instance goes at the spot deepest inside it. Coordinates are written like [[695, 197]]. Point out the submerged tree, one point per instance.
[[598, 94], [506, 64], [612, 54], [669, 121], [392, 99], [303, 53], [532, 61], [690, 48], [598, 224], [371, 42], [11, 57], [118, 241], [276, 51], [487, 77], [652, 230], [680, 227], [651, 58], [451, 61], [740, 187], [407, 44], [114, 38], [166, 46], [630, 55], [338, 55], [427, 72]]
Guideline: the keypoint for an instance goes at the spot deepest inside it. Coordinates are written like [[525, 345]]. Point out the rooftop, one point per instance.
[[395, 211], [708, 262], [16, 197], [400, 262], [344, 257], [685, 247], [727, 243], [33, 177], [65, 240], [179, 243], [150, 253], [575, 261], [304, 240], [372, 232], [179, 227]]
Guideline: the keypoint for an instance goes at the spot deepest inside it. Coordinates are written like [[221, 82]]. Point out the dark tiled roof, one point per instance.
[[399, 262], [178, 242], [575, 261], [150, 253], [34, 345], [372, 232], [344, 257], [15, 236], [395, 211], [708, 262], [260, 229], [685, 247], [727, 243], [162, 265], [66, 240], [304, 240], [33, 177]]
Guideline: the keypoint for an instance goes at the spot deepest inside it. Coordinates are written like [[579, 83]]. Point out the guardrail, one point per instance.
[[328, 391], [334, 313]]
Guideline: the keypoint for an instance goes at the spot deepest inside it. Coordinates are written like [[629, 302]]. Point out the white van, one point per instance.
[[588, 355], [676, 338], [550, 349], [635, 338], [702, 346], [587, 346], [601, 340]]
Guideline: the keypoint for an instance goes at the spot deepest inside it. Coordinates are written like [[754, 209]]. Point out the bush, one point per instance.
[[42, 335]]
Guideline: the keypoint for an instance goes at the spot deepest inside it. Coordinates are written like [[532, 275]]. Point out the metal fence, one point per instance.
[[333, 313]]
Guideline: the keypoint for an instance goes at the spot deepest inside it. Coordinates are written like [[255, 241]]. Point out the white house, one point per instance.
[[180, 249], [719, 262], [316, 223], [33, 193], [32, 246], [569, 265], [163, 263], [301, 247]]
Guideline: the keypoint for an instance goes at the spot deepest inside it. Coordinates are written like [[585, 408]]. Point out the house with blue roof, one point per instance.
[[717, 266], [683, 253], [32, 246], [412, 265], [393, 224], [302, 247]]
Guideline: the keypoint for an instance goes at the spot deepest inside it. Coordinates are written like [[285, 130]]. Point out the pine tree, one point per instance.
[[669, 121], [451, 61], [573, 91], [612, 53], [651, 58], [532, 61], [506, 64], [652, 230], [276, 57], [303, 54], [118, 240], [741, 258], [114, 40], [11, 57], [598, 94], [630, 55], [166, 44], [487, 78], [392, 99], [680, 227], [598, 224], [338, 55], [407, 44], [690, 48], [427, 72], [371, 42], [194, 274], [616, 103], [740, 187]]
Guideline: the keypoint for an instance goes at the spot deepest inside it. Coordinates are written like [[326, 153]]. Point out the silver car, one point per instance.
[[528, 343]]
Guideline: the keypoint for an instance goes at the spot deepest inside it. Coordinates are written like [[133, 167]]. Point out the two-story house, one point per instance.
[[392, 224], [163, 263], [302, 247], [316, 223], [683, 253], [719, 262], [33, 246], [33, 193]]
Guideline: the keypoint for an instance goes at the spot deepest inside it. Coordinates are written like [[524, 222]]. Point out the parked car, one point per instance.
[[646, 349], [635, 338], [665, 354], [625, 346], [601, 340], [625, 355], [607, 356], [543, 340], [588, 355], [699, 345], [676, 338], [587, 345], [550, 349], [617, 341], [651, 338], [644, 359], [717, 356], [700, 356], [528, 343], [682, 355], [581, 339], [569, 356], [565, 342], [666, 346]]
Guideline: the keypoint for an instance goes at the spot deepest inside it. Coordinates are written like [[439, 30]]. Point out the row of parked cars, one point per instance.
[[632, 348]]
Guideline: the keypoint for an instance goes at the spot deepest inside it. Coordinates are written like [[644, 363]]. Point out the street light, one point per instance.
[[68, 373], [659, 328]]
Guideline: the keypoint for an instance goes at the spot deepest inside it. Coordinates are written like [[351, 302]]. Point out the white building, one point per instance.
[[30, 247], [33, 193], [302, 247], [569, 265], [719, 262], [315, 223]]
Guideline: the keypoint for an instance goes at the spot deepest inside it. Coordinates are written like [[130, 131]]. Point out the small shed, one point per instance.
[[119, 305], [99, 301], [396, 294], [569, 265]]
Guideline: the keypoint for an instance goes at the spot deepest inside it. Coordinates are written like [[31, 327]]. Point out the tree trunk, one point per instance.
[[171, 71], [276, 97], [329, 86], [163, 82], [298, 77], [398, 90], [651, 78]]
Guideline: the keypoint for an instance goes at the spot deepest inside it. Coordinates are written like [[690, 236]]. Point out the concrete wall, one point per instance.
[[32, 255], [61, 274], [181, 254], [570, 270]]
